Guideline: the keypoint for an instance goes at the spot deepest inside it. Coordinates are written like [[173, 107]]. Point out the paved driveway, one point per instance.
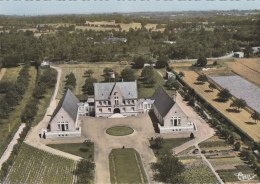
[[95, 130]]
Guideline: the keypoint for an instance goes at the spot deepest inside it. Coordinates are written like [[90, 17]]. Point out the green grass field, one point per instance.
[[14, 120], [76, 149], [126, 167], [168, 145], [119, 131], [33, 165]]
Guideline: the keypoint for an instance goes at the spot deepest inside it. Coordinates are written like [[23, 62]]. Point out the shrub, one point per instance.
[[192, 135]]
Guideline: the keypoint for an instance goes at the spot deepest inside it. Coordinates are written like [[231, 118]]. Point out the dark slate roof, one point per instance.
[[69, 103], [163, 102], [103, 90]]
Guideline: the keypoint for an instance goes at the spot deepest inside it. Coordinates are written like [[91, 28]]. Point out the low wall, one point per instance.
[[176, 129], [123, 113], [47, 135]]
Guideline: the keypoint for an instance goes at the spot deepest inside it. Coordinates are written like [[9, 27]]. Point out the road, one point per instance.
[[230, 55], [9, 148]]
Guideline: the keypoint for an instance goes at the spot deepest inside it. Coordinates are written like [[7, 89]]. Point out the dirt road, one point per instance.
[[2, 73]]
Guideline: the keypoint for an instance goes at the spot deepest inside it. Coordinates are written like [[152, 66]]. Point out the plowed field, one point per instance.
[[247, 68], [241, 119]]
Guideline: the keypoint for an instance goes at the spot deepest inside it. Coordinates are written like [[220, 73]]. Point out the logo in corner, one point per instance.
[[244, 177]]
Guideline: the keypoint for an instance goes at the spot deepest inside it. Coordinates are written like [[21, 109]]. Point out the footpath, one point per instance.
[[9, 149]]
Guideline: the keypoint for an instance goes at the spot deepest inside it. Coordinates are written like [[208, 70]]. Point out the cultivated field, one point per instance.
[[96, 28], [224, 159], [36, 166], [196, 170], [241, 88], [247, 68], [241, 119], [126, 166], [79, 71]]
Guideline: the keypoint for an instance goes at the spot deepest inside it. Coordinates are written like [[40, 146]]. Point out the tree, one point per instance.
[[85, 171], [212, 86], [238, 146], [148, 75], [192, 135], [169, 169], [158, 141], [238, 103], [70, 82], [89, 72], [224, 95], [255, 116], [139, 62], [172, 83], [202, 61], [128, 74], [202, 78], [162, 62], [88, 87], [107, 70], [181, 74]]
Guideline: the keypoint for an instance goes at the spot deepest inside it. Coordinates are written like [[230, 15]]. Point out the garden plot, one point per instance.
[[241, 88], [196, 170], [33, 165]]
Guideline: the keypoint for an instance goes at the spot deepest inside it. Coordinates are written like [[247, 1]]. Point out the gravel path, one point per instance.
[[2, 73], [9, 148]]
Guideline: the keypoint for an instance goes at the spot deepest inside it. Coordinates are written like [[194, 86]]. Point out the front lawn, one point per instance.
[[79, 149], [126, 166], [167, 145]]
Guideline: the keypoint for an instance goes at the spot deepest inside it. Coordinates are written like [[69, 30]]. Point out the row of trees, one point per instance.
[[44, 82], [14, 92]]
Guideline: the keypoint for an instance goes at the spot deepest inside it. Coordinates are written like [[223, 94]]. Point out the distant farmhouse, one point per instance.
[[45, 64], [238, 54], [169, 74], [113, 100]]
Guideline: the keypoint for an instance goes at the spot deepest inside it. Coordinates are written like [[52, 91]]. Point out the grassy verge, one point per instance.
[[79, 149], [119, 131], [43, 105], [14, 121], [167, 145], [126, 166]]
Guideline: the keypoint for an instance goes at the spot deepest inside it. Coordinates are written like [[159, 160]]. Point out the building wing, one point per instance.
[[103, 90], [162, 101], [69, 103]]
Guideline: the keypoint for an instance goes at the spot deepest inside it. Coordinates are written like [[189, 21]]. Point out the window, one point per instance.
[[63, 126], [132, 108], [100, 103], [124, 109], [100, 110], [133, 101], [109, 109], [116, 100], [175, 121], [123, 101], [109, 103], [105, 103], [115, 93]]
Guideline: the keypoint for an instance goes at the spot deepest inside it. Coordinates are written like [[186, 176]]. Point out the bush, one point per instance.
[[192, 135]]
